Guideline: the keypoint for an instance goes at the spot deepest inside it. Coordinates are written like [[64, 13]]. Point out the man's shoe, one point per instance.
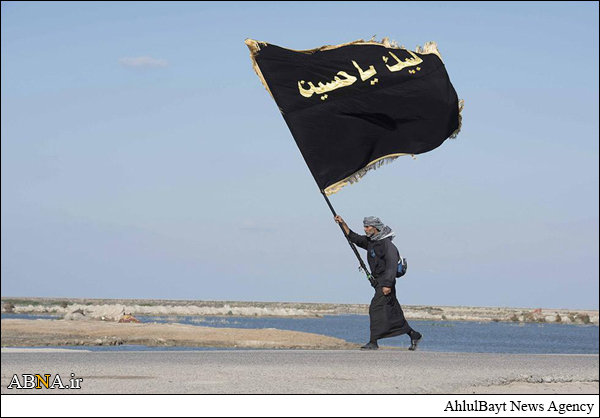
[[415, 343], [370, 346]]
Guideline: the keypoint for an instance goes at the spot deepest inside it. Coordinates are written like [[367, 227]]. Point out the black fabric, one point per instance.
[[386, 316], [410, 111], [382, 257], [385, 313], [414, 335]]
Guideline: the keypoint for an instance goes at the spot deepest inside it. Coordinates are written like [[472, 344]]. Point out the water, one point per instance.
[[446, 336], [27, 316]]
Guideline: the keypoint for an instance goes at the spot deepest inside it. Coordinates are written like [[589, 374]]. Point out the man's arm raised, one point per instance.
[[359, 240], [340, 221]]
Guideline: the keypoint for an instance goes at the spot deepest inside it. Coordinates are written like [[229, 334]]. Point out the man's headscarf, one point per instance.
[[384, 231]]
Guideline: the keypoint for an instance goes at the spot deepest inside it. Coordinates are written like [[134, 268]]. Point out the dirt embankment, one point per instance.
[[39, 333]]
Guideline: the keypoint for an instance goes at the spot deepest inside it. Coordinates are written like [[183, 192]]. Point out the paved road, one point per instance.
[[384, 371]]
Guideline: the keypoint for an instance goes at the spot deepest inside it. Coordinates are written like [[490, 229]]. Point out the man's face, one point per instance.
[[370, 231]]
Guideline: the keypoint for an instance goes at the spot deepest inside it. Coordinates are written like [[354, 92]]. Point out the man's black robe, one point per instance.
[[385, 312]]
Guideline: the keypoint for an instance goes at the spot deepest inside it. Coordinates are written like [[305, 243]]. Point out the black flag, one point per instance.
[[356, 106]]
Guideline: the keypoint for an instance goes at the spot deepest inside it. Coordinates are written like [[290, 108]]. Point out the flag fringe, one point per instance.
[[254, 47], [461, 106], [429, 48], [355, 177]]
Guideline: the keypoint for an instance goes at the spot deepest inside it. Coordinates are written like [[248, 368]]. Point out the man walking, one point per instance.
[[385, 313]]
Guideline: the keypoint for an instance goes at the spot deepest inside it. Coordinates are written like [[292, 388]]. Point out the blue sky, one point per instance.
[[142, 158]]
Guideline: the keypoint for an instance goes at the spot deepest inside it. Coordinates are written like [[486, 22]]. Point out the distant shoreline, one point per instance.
[[114, 309], [207, 302]]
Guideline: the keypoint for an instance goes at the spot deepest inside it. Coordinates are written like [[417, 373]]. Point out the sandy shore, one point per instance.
[[318, 364], [113, 309], [40, 333]]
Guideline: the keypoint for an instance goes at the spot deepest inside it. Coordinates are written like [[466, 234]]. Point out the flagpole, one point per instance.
[[360, 260]]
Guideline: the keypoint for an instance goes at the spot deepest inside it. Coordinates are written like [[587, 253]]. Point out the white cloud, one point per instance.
[[143, 62]]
